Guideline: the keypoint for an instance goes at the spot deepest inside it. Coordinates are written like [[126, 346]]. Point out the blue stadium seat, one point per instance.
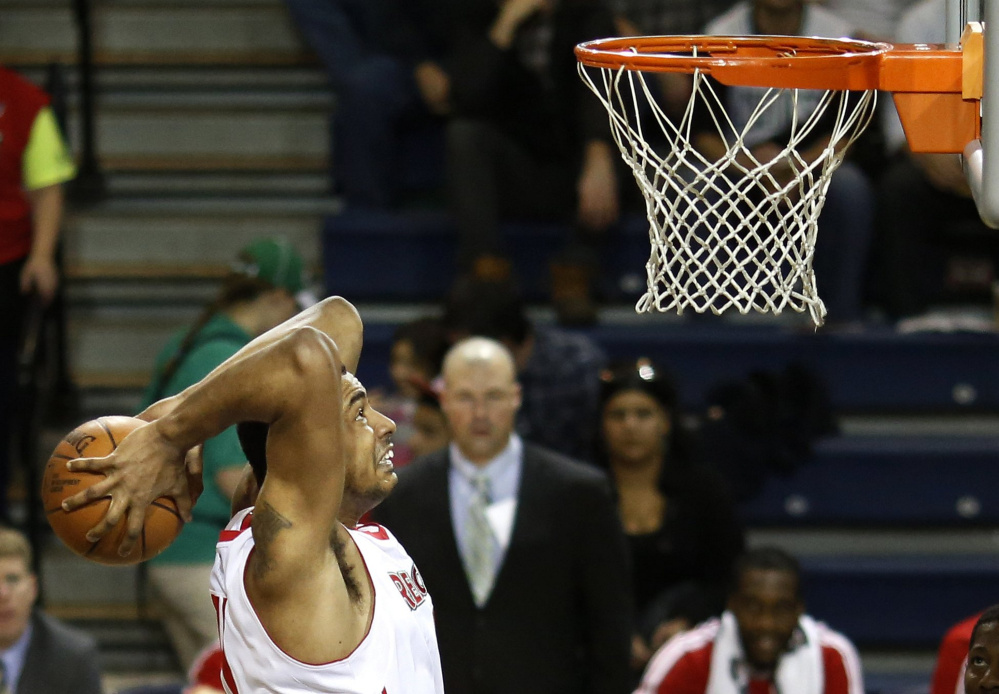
[[886, 481], [877, 370], [898, 601], [410, 256]]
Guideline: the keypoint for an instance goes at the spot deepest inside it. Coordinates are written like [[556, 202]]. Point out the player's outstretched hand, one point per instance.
[[144, 467]]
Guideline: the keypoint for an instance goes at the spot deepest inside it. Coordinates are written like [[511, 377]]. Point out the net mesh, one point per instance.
[[736, 230]]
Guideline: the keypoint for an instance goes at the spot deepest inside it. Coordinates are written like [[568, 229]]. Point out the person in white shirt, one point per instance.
[[295, 580]]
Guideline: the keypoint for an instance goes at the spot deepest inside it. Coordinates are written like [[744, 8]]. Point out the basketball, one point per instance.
[[95, 439]]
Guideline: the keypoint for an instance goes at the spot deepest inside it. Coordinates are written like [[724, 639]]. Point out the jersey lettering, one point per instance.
[[411, 586]]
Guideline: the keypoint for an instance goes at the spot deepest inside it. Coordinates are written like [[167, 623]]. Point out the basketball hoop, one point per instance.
[[739, 230]]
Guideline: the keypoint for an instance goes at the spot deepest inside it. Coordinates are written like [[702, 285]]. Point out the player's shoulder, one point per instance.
[[380, 539], [686, 658], [567, 470]]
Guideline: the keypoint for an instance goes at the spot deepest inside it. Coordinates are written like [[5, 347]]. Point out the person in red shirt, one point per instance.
[[764, 642], [982, 674], [34, 163], [948, 676]]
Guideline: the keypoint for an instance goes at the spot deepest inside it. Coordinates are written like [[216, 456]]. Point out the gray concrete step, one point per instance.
[[167, 32], [179, 232]]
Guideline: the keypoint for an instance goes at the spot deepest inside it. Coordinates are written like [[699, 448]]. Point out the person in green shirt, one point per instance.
[[259, 294]]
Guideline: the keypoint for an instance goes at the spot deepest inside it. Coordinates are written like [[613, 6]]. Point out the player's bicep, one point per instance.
[[297, 506]]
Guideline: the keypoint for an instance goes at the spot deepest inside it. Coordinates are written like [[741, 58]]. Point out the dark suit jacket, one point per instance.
[[60, 660], [559, 617]]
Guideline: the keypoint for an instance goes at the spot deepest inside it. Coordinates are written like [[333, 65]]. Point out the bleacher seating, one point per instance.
[[898, 601], [865, 481], [413, 253]]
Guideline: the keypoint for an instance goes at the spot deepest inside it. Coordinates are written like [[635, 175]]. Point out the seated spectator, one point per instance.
[[931, 240], [558, 370], [667, 18], [678, 517], [764, 642], [982, 673], [377, 59], [526, 139], [258, 295], [948, 675], [873, 20], [38, 653], [846, 222], [415, 358]]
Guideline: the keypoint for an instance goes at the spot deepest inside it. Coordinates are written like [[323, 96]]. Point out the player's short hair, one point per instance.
[[13, 543], [990, 616], [487, 309], [253, 441], [766, 559]]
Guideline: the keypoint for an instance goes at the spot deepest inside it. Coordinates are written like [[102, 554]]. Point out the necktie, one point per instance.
[[479, 543]]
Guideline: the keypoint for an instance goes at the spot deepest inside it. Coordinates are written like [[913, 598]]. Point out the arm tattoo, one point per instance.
[[267, 523]]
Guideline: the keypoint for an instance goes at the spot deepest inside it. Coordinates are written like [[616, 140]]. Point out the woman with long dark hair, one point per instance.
[[257, 295], [677, 514]]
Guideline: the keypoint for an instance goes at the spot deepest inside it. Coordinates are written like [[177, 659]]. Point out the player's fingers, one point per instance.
[[133, 531], [97, 491], [194, 460], [115, 512], [90, 464], [186, 499]]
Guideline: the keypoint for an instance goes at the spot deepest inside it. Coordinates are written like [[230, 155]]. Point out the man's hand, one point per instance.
[[144, 467], [41, 276], [435, 87], [512, 14], [597, 188], [944, 172]]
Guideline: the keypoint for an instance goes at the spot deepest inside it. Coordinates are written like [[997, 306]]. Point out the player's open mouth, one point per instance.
[[385, 462]]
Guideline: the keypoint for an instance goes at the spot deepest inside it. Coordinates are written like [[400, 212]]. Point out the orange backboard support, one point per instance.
[[937, 91]]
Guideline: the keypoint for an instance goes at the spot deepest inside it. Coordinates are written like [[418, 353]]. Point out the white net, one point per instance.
[[736, 230]]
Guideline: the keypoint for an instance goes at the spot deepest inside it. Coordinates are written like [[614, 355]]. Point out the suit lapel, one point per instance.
[[35, 658]]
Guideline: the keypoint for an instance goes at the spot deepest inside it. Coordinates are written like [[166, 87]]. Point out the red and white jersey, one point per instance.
[[683, 665], [398, 655]]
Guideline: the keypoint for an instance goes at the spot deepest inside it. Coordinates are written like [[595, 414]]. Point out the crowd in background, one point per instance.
[[524, 139], [631, 559]]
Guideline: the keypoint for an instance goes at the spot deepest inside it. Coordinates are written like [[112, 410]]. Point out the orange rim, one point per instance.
[[787, 62]]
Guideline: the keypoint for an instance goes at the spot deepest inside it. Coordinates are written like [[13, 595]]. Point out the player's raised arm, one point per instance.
[[267, 384]]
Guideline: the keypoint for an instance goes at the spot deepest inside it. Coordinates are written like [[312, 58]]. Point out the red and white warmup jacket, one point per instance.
[[707, 660], [398, 655]]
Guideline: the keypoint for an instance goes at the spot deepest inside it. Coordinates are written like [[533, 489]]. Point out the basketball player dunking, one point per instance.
[[294, 587]]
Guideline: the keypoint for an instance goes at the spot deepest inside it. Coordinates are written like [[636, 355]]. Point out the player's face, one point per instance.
[[18, 591], [634, 427], [982, 675], [767, 607], [369, 473], [480, 401]]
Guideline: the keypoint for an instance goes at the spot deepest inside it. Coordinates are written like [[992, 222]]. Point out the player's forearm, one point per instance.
[[335, 317], [261, 387], [46, 216]]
